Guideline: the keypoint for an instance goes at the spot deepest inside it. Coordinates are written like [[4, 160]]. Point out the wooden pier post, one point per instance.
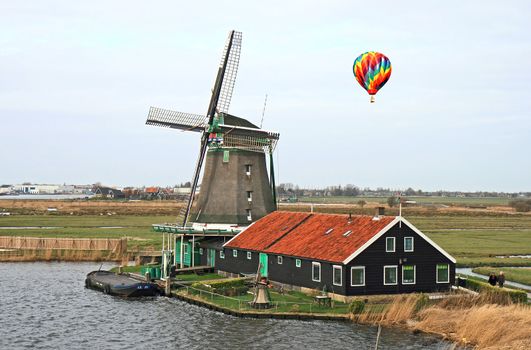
[[167, 287]]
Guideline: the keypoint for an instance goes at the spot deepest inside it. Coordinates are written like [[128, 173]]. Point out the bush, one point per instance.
[[515, 295], [521, 205], [356, 307]]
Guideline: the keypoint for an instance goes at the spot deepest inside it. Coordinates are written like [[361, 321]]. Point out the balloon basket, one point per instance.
[[372, 99]]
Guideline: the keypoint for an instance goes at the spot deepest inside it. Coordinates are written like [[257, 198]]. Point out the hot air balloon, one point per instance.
[[372, 70]]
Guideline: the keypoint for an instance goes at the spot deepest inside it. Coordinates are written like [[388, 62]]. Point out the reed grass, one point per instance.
[[486, 321], [60, 255]]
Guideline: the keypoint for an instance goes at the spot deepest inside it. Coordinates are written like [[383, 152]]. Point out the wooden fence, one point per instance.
[[117, 246]]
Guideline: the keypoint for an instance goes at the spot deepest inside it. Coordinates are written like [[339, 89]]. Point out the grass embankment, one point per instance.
[[288, 302], [481, 321], [520, 275]]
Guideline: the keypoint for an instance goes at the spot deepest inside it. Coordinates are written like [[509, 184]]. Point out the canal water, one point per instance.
[[45, 306]]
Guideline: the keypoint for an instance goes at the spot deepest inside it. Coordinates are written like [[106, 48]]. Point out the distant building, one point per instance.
[[108, 192], [5, 189], [36, 189]]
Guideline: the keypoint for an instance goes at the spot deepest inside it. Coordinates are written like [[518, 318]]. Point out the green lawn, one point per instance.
[[519, 275], [477, 240], [282, 303]]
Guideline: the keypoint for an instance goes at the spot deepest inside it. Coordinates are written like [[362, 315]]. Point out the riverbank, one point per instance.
[[484, 321]]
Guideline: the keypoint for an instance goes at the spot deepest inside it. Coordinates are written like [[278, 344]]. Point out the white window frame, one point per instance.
[[249, 196], [314, 264], [412, 244], [394, 245], [298, 263], [357, 268], [396, 275], [279, 260], [414, 274], [334, 268], [249, 214], [437, 274], [221, 254], [249, 255], [248, 168], [200, 251], [235, 253]]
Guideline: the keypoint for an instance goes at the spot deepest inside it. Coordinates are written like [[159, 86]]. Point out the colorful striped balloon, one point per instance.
[[372, 70]]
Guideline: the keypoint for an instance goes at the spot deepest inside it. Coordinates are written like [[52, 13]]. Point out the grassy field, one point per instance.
[[136, 228], [475, 239], [480, 240], [511, 274]]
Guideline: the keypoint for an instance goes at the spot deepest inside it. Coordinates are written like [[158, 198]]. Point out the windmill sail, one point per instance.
[[176, 120], [231, 54]]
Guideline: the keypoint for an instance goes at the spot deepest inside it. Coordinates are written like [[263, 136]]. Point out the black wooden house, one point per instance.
[[349, 255]]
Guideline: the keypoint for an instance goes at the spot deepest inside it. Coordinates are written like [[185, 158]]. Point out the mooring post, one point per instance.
[[167, 287]]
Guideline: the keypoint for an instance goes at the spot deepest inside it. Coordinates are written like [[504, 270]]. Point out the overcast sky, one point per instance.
[[77, 79]]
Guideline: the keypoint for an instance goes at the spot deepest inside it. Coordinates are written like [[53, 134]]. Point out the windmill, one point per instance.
[[235, 188]]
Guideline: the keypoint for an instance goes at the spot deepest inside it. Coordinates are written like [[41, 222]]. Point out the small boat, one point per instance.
[[120, 284]]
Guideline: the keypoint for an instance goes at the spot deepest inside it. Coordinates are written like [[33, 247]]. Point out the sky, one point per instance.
[[77, 79]]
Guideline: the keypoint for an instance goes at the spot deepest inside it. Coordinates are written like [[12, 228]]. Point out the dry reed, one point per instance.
[[486, 321]]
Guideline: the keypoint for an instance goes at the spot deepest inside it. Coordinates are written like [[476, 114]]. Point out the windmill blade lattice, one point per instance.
[[176, 120], [231, 71]]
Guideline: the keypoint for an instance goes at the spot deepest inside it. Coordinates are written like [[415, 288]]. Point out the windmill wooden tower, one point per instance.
[[236, 188]]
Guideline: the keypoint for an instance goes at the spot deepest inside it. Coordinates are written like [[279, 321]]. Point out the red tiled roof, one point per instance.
[[304, 235], [264, 232]]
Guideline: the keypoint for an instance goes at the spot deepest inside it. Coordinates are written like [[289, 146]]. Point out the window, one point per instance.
[[390, 275], [329, 231], [222, 254], [185, 249], [249, 216], [248, 169], [249, 255], [235, 253], [390, 244], [200, 251], [338, 275], [316, 272], [298, 262], [408, 274], [249, 196], [408, 244], [357, 276], [443, 273], [226, 156], [279, 260], [346, 234]]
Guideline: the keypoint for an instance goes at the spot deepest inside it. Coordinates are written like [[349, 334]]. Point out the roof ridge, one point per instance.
[[287, 232]]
